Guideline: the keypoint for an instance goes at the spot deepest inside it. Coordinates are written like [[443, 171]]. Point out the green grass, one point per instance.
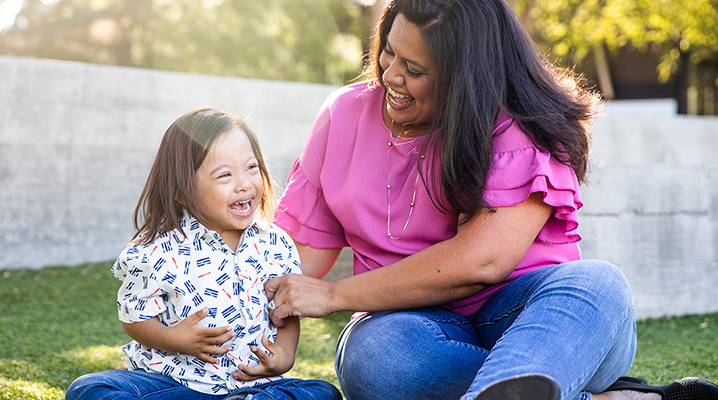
[[61, 322]]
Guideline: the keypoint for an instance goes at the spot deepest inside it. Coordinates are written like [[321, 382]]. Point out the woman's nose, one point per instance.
[[391, 75]]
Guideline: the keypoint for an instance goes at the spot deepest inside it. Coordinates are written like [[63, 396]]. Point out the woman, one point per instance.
[[453, 174]]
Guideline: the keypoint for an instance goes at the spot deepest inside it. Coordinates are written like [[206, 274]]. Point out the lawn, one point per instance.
[[60, 322]]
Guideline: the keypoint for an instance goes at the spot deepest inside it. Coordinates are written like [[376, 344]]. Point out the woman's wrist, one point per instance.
[[336, 296]]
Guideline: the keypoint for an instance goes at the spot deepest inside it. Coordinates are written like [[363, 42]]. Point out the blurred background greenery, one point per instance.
[[626, 48]]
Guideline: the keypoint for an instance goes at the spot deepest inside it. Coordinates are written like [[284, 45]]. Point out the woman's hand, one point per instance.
[[275, 361], [299, 296], [186, 337]]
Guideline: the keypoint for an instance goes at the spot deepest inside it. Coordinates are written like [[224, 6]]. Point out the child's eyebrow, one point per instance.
[[218, 168]]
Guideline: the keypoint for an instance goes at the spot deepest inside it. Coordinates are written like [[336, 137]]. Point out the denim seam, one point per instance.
[[500, 317], [440, 333], [453, 321]]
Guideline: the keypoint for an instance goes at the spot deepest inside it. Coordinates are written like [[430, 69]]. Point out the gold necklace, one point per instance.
[[388, 190]]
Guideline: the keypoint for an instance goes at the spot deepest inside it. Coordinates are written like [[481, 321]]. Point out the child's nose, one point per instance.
[[243, 184]]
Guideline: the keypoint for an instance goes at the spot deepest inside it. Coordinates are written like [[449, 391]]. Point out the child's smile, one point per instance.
[[229, 185]]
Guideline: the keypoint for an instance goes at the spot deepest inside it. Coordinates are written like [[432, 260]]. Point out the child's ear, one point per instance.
[[179, 201]]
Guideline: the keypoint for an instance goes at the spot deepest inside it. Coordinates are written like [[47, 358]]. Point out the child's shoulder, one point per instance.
[[269, 230], [266, 227], [155, 253], [164, 243]]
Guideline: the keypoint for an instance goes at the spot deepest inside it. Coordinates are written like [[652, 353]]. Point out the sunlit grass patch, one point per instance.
[[26, 390], [95, 358]]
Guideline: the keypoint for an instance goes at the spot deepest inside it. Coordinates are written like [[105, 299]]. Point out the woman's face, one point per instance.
[[409, 77]]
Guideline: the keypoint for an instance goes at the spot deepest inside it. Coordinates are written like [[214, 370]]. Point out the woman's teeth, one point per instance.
[[398, 98], [396, 94]]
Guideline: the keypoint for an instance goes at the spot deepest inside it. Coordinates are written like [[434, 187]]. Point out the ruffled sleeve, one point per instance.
[[520, 169], [302, 210], [304, 213]]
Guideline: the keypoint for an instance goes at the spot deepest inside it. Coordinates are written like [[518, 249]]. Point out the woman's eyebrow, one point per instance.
[[407, 60]]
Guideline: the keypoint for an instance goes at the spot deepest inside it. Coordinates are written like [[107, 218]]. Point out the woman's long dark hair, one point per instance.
[[487, 63], [171, 185]]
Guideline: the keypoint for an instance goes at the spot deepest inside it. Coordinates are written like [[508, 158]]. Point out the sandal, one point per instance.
[[522, 387], [684, 389]]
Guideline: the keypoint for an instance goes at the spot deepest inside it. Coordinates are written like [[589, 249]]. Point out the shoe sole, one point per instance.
[[522, 387]]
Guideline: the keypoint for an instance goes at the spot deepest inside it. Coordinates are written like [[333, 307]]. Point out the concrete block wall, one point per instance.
[[77, 142], [651, 208]]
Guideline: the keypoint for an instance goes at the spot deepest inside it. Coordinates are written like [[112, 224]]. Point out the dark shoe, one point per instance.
[[684, 389], [522, 387]]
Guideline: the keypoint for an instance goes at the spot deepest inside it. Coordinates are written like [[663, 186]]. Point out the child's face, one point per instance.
[[229, 185]]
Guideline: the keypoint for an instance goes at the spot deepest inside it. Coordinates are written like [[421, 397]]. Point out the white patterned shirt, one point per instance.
[[174, 277]]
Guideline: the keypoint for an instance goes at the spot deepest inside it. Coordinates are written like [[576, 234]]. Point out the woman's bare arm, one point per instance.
[[484, 252]]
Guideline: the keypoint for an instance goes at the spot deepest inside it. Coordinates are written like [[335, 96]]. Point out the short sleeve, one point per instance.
[[140, 296], [302, 210], [520, 169]]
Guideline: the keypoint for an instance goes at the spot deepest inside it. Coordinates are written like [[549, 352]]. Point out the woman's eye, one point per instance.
[[413, 74]]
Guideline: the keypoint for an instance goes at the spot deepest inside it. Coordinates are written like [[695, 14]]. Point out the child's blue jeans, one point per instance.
[[121, 385], [573, 322]]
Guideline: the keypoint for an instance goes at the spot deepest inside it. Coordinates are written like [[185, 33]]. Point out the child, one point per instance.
[[193, 277]]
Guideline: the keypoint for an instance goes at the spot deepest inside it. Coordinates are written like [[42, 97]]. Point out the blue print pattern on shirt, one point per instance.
[[174, 277]]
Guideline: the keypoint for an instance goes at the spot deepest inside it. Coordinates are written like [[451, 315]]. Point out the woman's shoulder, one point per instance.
[[508, 135], [355, 95]]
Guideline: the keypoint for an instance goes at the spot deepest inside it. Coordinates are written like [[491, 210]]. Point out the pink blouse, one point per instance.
[[336, 194]]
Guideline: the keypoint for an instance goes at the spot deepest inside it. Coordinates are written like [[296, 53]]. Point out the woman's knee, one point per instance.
[[404, 354], [601, 280]]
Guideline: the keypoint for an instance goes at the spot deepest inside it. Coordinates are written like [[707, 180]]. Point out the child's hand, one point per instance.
[[277, 362], [199, 341]]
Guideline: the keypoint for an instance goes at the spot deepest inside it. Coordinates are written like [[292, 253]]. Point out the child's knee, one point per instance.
[[81, 385]]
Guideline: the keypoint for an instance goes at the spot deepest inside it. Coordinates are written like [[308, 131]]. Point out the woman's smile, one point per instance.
[[396, 99]]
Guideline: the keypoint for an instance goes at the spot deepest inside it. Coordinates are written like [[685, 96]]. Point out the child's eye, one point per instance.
[[224, 175]]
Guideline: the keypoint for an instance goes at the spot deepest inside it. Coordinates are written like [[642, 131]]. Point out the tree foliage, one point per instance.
[[294, 40], [574, 28], [322, 40]]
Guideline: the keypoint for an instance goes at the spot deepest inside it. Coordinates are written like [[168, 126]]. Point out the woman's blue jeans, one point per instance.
[[572, 321], [125, 385]]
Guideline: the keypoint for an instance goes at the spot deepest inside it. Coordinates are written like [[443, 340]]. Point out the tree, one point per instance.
[[106, 32], [677, 31], [272, 39]]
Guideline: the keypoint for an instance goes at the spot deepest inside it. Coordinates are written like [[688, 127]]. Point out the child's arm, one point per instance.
[[186, 337], [281, 354]]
